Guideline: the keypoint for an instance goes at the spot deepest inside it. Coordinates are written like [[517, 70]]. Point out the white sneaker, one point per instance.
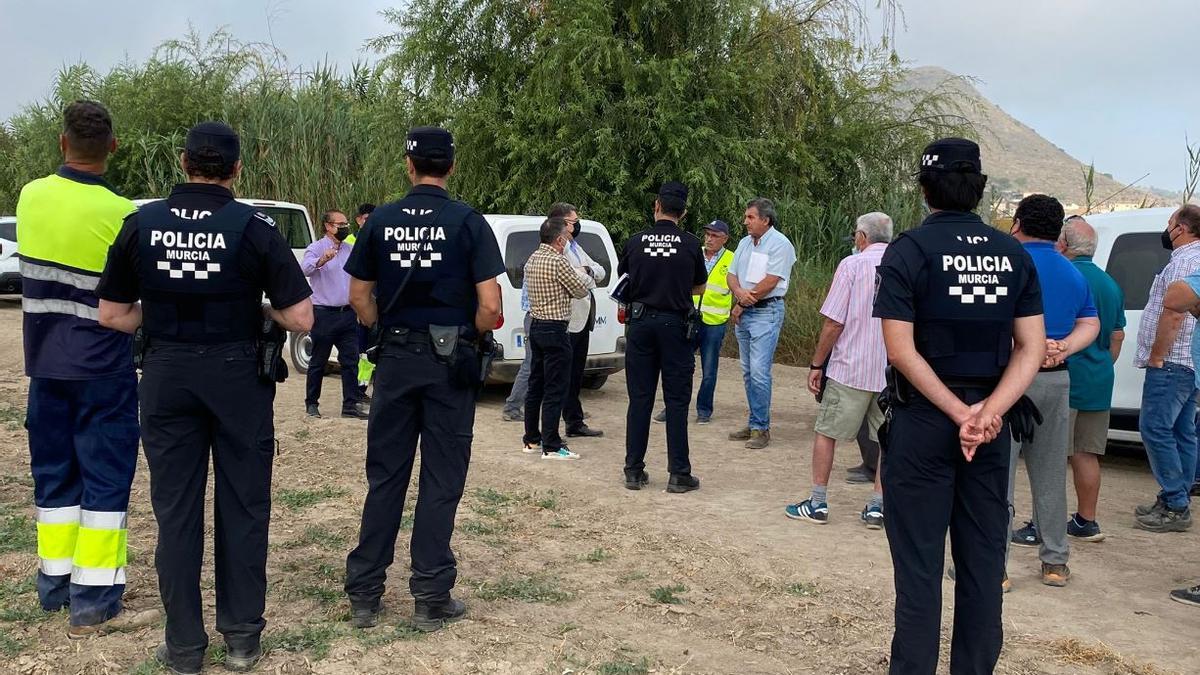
[[530, 448], [562, 453]]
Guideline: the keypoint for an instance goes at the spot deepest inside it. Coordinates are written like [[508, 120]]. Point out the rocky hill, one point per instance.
[[1016, 158]]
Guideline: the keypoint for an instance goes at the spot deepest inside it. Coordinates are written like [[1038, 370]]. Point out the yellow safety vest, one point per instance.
[[717, 302]]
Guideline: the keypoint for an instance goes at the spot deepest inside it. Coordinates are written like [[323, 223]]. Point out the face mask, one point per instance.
[[1167, 242], [342, 233], [575, 229]]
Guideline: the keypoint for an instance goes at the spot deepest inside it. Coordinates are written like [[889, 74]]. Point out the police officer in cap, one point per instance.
[[435, 261], [200, 262], [666, 268], [962, 321]]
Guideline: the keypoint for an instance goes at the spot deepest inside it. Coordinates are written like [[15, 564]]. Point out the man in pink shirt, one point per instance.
[[847, 371]]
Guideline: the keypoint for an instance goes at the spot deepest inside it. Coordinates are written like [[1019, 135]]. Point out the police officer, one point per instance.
[[962, 321], [200, 262], [435, 261], [666, 268]]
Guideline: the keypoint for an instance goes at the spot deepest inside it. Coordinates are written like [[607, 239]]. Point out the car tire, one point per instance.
[[594, 381], [301, 351]]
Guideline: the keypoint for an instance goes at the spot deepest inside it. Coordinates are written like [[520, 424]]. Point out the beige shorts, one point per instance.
[[1089, 432], [843, 410]]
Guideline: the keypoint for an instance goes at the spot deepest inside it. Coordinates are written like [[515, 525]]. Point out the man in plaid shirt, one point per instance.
[[551, 283], [1167, 419]]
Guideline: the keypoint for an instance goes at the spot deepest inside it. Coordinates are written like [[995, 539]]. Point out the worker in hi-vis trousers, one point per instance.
[[82, 413]]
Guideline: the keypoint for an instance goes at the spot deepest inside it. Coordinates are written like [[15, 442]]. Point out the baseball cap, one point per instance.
[[429, 143], [216, 136], [952, 155], [674, 190], [718, 226]]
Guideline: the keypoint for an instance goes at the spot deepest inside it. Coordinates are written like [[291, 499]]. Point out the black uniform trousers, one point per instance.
[[197, 398], [334, 326], [549, 376], [657, 342], [413, 400], [572, 412], [929, 487]]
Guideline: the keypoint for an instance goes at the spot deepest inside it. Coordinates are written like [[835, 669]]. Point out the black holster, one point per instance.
[[374, 342], [899, 390], [271, 366], [452, 348], [141, 343], [691, 324]]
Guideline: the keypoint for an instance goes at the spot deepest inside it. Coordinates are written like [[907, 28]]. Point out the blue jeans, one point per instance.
[[516, 400], [1168, 427], [708, 343], [757, 334]]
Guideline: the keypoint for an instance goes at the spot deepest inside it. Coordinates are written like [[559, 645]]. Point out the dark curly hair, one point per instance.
[[1041, 217], [952, 190], [89, 130], [207, 162]]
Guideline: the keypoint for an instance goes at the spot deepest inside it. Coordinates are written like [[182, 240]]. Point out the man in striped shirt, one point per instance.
[[551, 283], [847, 371]]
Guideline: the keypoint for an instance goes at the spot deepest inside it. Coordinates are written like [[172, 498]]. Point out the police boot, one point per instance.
[[635, 480], [431, 616], [242, 660], [682, 483], [366, 615], [175, 665]]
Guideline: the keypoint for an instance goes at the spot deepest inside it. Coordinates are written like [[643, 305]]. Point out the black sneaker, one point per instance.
[[174, 664], [1027, 536], [1147, 509], [584, 431], [431, 616], [366, 615], [635, 480], [312, 410], [682, 483], [243, 660], [360, 411], [1168, 520], [1188, 596], [1083, 529]]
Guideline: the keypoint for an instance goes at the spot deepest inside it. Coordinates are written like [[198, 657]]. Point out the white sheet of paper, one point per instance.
[[756, 269]]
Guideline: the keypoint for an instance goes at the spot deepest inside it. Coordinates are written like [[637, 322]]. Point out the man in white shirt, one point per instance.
[[579, 327]]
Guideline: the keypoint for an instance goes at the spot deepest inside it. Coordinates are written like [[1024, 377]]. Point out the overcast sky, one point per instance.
[[1108, 80]]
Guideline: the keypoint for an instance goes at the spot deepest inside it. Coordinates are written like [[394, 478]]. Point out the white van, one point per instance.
[[1130, 249], [10, 268], [518, 238]]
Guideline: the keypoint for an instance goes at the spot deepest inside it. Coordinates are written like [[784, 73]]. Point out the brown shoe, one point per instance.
[[759, 439], [127, 620], [1006, 585], [740, 435], [1055, 575]]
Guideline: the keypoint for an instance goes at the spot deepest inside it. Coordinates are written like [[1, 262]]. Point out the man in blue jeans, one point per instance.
[[715, 307], [758, 279], [1168, 417]]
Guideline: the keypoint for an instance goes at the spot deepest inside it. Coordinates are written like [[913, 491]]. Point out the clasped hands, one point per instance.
[[975, 428], [1056, 353]]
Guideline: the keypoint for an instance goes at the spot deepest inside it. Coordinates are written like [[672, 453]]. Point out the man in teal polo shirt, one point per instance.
[[1091, 378]]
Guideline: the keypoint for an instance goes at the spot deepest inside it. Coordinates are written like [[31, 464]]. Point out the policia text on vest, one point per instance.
[[434, 262], [200, 263]]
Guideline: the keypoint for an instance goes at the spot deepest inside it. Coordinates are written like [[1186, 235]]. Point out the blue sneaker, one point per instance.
[[806, 510], [872, 516], [1027, 536], [1084, 530], [561, 454]]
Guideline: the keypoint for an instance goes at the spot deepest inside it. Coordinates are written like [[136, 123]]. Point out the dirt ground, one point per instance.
[[564, 571]]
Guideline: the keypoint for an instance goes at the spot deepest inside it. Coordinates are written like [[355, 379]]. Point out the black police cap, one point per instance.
[[429, 143], [952, 155], [674, 190], [215, 136]]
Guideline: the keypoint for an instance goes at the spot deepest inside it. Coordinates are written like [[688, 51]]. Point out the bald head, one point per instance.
[[1077, 238]]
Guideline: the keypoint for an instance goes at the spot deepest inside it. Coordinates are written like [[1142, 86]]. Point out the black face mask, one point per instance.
[[1167, 242], [575, 229], [342, 233]]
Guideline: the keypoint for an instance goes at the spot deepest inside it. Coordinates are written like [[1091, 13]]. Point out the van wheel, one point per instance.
[[594, 381], [301, 351]]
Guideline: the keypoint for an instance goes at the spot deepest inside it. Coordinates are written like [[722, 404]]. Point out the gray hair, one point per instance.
[[765, 208], [877, 226], [1078, 240]]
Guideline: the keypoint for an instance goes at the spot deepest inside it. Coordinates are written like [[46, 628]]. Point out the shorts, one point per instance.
[[843, 410], [1089, 432]]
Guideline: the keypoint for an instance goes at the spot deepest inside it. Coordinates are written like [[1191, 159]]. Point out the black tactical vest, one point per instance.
[[431, 247], [965, 313], [192, 289]]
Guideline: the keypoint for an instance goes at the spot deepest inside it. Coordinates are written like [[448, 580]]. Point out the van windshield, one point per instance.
[[1135, 260], [521, 245], [291, 224], [8, 230]]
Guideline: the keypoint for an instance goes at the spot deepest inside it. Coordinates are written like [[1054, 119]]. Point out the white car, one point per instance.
[[518, 238], [1130, 249], [10, 266]]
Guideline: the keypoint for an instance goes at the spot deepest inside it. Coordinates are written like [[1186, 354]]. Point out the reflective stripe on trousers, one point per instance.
[[88, 545]]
